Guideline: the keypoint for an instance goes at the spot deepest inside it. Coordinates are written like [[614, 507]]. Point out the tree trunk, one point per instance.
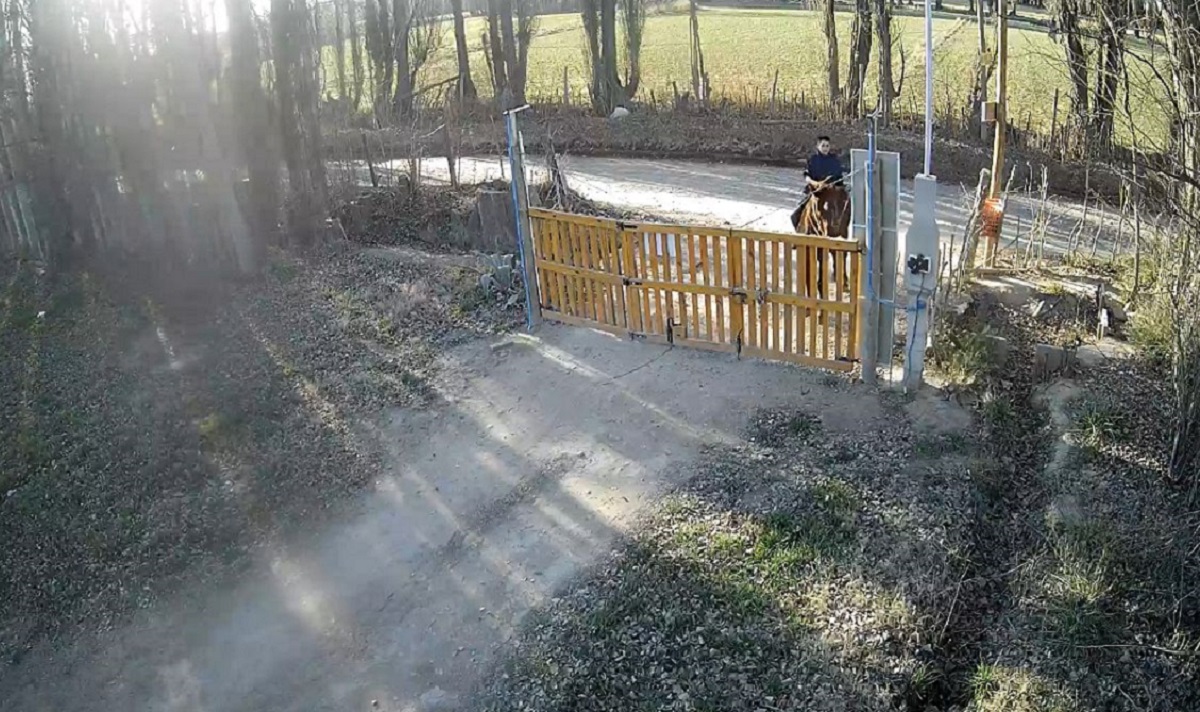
[[356, 58], [252, 120], [379, 49], [611, 79], [513, 95], [296, 119], [831, 54], [339, 51], [860, 56], [1114, 21], [590, 14], [495, 50], [466, 85], [697, 53], [526, 21], [633, 16], [1076, 60], [402, 24], [887, 87]]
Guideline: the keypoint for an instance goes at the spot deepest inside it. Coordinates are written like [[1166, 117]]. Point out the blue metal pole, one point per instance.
[[517, 171]]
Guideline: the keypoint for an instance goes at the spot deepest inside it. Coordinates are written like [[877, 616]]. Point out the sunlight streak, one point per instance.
[[572, 365]]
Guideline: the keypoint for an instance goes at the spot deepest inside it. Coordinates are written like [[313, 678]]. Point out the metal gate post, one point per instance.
[[520, 196], [868, 312]]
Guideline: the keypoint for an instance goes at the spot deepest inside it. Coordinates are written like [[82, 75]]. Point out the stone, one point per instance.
[[1094, 355], [1051, 360], [999, 349], [437, 700], [1116, 308], [492, 226]]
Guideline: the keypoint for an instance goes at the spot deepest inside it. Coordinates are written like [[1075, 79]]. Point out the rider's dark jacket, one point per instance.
[[824, 166]]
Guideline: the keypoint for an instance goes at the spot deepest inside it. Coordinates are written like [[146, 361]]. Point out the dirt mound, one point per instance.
[[403, 216]]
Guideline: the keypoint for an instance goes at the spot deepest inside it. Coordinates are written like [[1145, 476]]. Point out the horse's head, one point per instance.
[[835, 203], [827, 213]]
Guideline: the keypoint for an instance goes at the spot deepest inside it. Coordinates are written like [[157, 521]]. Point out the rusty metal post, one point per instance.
[[993, 227]]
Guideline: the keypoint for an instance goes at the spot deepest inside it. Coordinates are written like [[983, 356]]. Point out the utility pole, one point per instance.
[[983, 53], [993, 222]]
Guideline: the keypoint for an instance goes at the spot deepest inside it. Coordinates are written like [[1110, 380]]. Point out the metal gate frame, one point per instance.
[[759, 294]]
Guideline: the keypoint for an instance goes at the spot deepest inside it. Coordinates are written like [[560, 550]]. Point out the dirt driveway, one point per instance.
[[540, 453], [763, 197]]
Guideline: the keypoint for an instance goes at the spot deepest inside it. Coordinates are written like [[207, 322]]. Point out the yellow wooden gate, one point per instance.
[[761, 294]]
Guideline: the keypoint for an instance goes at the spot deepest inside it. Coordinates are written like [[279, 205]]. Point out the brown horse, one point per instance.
[[825, 214]]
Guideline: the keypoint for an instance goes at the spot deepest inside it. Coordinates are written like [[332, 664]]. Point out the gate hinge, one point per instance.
[[738, 292]]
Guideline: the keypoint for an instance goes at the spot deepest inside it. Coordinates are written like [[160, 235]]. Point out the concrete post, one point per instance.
[[921, 245], [520, 196]]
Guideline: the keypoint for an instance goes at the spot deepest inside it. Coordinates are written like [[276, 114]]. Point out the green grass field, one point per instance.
[[744, 49]]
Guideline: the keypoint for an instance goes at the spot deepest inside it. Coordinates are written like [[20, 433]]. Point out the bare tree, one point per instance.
[[356, 57], [506, 47], [466, 85], [294, 76], [831, 51], [600, 26], [888, 89], [1114, 19], [699, 76], [494, 52], [513, 94], [590, 13], [860, 56], [633, 22], [252, 120], [379, 49], [339, 50], [1174, 169], [1067, 17]]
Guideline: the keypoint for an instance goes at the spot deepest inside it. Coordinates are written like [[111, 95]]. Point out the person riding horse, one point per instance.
[[829, 214], [824, 169]]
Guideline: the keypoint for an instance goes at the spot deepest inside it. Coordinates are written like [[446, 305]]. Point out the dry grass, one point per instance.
[[777, 578]]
